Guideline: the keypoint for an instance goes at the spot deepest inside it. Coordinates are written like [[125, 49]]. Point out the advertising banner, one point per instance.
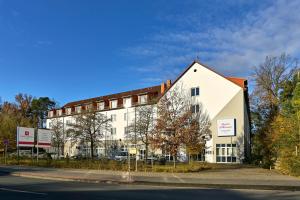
[[226, 127], [44, 138], [25, 137]]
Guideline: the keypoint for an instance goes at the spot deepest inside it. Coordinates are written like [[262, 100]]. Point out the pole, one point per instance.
[[5, 154], [128, 145], [231, 147], [136, 163], [18, 154], [37, 148], [105, 138]]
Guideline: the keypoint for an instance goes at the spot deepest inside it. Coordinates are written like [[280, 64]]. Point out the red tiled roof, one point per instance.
[[155, 91], [239, 81]]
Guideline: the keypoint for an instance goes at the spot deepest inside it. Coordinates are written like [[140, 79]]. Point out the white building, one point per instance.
[[225, 100]]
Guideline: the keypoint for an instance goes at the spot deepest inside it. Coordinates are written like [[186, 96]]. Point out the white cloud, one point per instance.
[[233, 49]]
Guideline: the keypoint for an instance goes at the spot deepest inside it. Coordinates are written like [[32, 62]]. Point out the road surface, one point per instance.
[[19, 188]]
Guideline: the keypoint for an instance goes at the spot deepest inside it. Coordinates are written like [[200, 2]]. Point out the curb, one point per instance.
[[184, 185]]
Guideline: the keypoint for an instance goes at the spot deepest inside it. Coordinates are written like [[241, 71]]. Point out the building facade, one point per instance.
[[224, 99]]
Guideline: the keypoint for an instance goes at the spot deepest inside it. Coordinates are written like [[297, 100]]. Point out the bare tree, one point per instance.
[[177, 125], [141, 128], [58, 137], [270, 78], [89, 126]]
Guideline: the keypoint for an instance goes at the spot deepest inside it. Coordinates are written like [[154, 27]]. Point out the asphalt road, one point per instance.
[[12, 187]]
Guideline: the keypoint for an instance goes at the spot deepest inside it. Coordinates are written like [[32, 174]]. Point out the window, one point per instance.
[[127, 102], [125, 116], [59, 112], [68, 111], [126, 130], [78, 109], [113, 117], [89, 107], [113, 131], [68, 122], [143, 99], [100, 106], [113, 104], [195, 108], [226, 152], [195, 91], [50, 114], [50, 125]]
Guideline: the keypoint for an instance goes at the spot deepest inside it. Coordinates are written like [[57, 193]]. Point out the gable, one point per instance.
[[215, 90]]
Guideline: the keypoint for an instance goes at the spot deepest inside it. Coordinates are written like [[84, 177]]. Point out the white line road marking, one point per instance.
[[22, 191]]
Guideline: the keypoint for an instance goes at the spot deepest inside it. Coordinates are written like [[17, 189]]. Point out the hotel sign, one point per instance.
[[25, 137], [44, 138], [226, 127]]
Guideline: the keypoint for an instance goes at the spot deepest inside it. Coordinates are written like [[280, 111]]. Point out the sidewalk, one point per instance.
[[246, 178]]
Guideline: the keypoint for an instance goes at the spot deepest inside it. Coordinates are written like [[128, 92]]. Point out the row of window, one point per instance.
[[142, 99], [127, 102]]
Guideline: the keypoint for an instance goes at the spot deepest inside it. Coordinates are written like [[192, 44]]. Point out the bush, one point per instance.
[[107, 164]]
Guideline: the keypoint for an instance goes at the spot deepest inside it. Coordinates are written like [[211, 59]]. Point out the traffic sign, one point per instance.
[[6, 142]]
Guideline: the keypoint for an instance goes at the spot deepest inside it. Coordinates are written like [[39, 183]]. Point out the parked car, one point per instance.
[[151, 159], [121, 156]]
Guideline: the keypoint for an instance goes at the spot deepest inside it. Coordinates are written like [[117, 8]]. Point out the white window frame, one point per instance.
[[194, 90], [100, 105], [59, 112], [78, 109], [89, 107], [143, 99], [113, 117], [113, 103], [194, 108], [68, 111], [50, 114], [127, 102], [113, 131]]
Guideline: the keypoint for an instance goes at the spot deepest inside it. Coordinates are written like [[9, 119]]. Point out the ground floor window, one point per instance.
[[226, 153]]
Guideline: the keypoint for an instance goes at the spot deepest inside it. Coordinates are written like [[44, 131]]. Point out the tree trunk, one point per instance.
[[58, 150], [146, 152], [174, 160], [92, 148]]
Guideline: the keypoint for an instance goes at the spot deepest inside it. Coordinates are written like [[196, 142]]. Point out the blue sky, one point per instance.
[[71, 49]]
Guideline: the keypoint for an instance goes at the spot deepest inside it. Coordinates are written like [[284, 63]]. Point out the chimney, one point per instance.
[[162, 88], [169, 84]]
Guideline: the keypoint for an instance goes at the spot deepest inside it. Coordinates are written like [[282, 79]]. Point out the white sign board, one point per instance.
[[226, 127], [44, 138], [25, 137]]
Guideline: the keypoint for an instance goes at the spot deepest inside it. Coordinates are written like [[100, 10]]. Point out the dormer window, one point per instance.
[[127, 102], [78, 109], [89, 107], [50, 113], [100, 106], [68, 111], [143, 99], [59, 112], [113, 103]]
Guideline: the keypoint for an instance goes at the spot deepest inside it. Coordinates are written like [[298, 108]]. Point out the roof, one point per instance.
[[151, 90], [238, 81], [241, 82]]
